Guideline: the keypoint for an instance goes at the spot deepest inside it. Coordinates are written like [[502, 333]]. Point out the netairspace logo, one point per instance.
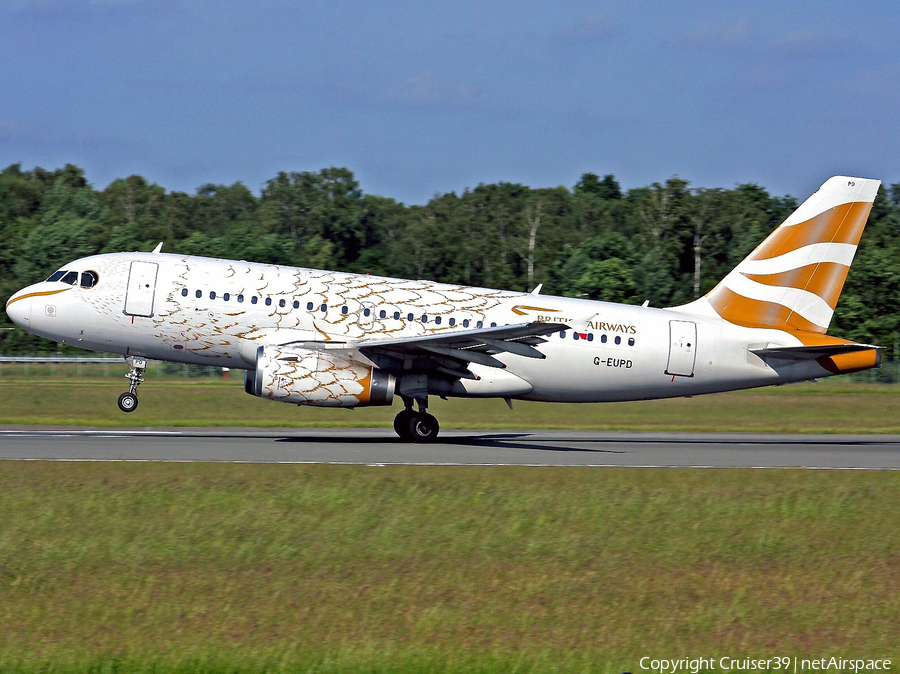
[[790, 665]]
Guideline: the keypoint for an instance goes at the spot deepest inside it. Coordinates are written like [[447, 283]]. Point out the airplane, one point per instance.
[[332, 339]]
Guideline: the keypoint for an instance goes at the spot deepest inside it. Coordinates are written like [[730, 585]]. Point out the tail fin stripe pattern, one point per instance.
[[824, 279], [734, 308], [834, 192], [809, 305], [793, 279], [843, 224], [839, 253]]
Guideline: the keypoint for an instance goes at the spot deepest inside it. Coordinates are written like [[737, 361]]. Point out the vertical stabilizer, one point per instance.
[[793, 279]]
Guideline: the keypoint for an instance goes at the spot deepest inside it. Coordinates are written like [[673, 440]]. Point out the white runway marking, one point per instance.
[[439, 464]]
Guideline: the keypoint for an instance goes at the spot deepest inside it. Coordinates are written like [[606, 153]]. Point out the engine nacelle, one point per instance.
[[307, 377]]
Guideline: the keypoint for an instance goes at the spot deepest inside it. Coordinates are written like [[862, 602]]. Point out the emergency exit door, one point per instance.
[[141, 288], [682, 348]]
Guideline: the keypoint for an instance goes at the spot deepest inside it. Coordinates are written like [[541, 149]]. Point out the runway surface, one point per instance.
[[454, 447]]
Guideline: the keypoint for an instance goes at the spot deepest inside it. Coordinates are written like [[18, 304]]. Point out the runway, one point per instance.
[[455, 448]]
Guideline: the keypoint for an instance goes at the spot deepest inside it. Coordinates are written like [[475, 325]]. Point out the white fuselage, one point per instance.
[[219, 312]]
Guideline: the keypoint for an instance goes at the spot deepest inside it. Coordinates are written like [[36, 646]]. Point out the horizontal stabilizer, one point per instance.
[[811, 352]]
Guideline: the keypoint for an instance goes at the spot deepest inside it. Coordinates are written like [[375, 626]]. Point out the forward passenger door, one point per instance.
[[141, 289]]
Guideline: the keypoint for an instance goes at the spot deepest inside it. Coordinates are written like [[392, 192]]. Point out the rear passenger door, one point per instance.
[[682, 348]]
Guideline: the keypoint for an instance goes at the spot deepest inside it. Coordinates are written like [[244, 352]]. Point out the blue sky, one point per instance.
[[418, 98]]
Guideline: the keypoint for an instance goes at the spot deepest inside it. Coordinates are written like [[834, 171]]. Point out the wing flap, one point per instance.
[[468, 355], [451, 352]]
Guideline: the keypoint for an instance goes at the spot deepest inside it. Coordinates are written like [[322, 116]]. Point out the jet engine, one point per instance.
[[311, 377]]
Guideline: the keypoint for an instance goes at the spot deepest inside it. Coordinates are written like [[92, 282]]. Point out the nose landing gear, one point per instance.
[[128, 401], [414, 426]]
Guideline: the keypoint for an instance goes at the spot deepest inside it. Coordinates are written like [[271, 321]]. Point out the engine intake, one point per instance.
[[318, 378]]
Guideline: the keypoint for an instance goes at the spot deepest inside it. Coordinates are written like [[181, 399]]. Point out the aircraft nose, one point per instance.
[[18, 308]]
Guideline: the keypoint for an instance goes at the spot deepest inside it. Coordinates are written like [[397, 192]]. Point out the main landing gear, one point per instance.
[[128, 401], [415, 426]]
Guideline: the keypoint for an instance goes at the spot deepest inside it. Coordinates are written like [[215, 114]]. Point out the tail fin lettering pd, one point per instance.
[[793, 279]]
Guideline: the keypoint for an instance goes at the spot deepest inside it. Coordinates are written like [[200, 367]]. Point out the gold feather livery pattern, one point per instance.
[[314, 378], [297, 303]]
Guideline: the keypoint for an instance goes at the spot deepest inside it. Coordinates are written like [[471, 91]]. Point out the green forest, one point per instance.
[[667, 243]]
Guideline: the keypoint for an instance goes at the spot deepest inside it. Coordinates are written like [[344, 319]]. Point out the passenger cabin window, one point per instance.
[[254, 299], [296, 304], [382, 313], [309, 306], [281, 303], [70, 277], [240, 298], [184, 292], [55, 276], [212, 294], [268, 301], [226, 296], [199, 294]]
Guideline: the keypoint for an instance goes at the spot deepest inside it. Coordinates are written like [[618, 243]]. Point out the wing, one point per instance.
[[448, 352]]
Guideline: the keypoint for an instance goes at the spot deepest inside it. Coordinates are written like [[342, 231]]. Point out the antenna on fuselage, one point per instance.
[[158, 247]]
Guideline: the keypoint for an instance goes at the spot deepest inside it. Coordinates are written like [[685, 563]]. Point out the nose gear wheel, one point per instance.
[[128, 401]]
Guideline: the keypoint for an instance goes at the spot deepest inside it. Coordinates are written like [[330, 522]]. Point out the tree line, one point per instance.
[[667, 243]]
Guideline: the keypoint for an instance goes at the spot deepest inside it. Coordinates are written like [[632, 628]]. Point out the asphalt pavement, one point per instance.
[[453, 447]]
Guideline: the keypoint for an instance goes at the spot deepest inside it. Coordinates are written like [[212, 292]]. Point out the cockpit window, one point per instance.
[[88, 279], [55, 276], [70, 277]]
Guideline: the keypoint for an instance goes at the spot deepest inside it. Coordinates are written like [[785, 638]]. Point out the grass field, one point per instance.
[[119, 569], [808, 408], [252, 568]]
